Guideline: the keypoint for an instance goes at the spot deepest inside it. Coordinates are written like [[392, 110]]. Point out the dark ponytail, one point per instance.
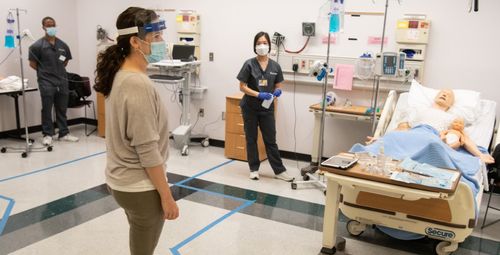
[[111, 60], [108, 64]]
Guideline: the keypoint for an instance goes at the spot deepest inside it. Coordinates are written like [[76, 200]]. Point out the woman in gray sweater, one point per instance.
[[136, 128]]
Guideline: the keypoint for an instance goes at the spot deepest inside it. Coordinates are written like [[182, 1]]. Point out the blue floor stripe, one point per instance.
[[51, 167], [175, 249], [179, 184], [246, 203], [7, 212], [204, 172]]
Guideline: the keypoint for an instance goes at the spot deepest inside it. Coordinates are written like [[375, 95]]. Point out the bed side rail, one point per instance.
[[387, 113], [496, 137]]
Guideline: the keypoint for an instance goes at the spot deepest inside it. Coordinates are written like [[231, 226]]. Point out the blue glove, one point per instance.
[[277, 93], [264, 96]]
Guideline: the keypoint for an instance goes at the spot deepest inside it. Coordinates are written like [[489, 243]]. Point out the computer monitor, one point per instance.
[[183, 52]]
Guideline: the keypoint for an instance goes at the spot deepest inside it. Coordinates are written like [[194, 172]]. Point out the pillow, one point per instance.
[[467, 102], [420, 96]]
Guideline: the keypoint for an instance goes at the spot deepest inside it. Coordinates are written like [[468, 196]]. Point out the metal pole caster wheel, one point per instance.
[[49, 148], [4, 150], [205, 143], [185, 150], [24, 155]]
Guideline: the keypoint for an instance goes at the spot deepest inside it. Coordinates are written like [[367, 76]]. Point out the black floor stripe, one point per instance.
[[54, 208], [74, 201], [268, 206]]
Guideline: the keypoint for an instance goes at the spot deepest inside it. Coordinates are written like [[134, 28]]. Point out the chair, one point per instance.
[[494, 181], [85, 92], [494, 185]]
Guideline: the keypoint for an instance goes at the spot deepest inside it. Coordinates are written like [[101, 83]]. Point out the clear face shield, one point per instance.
[[156, 27], [158, 46]]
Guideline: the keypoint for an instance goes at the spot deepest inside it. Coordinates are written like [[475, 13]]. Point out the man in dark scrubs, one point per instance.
[[260, 79], [49, 56]]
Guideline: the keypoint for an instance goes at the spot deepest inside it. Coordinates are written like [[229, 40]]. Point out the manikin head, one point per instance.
[[457, 124], [444, 99]]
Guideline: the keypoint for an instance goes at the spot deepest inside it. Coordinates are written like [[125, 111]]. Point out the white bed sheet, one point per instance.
[[480, 132]]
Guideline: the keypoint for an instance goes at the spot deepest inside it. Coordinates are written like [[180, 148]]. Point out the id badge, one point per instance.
[[62, 58], [263, 83]]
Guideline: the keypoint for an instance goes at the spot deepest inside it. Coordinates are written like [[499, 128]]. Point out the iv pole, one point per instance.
[[377, 77], [323, 105], [340, 241], [28, 143], [307, 172]]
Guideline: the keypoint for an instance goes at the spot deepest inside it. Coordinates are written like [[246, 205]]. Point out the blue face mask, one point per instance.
[[158, 52], [51, 31]]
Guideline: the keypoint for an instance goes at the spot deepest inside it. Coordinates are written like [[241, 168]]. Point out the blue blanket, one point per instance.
[[422, 144]]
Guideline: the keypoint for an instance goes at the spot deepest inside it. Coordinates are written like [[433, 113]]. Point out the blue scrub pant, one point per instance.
[[57, 97], [265, 121]]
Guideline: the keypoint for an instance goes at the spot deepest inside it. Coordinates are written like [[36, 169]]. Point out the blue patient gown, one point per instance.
[[422, 144]]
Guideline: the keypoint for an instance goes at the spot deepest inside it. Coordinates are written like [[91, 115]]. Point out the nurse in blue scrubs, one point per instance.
[[261, 79]]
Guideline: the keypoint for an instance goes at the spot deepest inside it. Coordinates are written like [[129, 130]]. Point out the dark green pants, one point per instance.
[[145, 218]]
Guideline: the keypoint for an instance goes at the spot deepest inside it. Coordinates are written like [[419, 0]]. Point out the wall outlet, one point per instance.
[[303, 65], [201, 112], [211, 56], [308, 28], [223, 115]]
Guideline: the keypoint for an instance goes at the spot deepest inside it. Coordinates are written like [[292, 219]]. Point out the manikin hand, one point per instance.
[[371, 139], [487, 158]]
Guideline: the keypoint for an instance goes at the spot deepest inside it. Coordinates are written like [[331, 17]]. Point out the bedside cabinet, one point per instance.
[[235, 144], [101, 116]]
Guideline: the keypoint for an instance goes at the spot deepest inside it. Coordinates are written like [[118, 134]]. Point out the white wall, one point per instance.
[[459, 54], [63, 12]]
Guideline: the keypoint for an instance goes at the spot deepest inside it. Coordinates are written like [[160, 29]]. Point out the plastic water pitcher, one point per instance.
[[365, 65]]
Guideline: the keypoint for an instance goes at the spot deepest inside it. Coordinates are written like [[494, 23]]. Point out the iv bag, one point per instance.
[[336, 16], [9, 35], [334, 23]]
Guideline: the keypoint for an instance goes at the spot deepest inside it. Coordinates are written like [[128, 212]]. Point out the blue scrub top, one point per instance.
[[252, 74], [50, 60]]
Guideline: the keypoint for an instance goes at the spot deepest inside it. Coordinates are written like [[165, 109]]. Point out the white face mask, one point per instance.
[[262, 49]]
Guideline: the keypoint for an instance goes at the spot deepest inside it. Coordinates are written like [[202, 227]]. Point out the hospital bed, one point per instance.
[[449, 218]]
